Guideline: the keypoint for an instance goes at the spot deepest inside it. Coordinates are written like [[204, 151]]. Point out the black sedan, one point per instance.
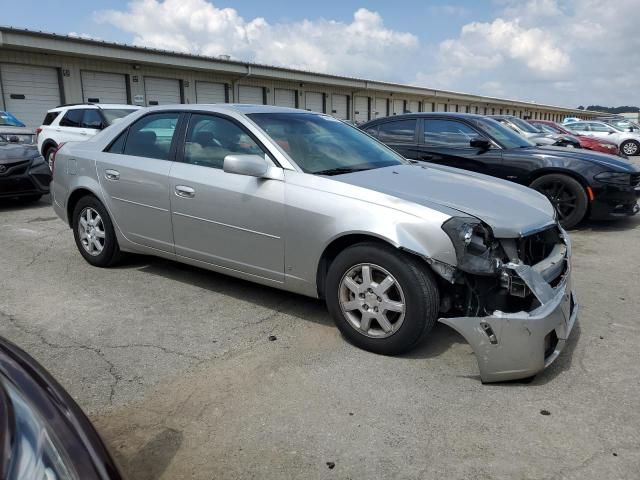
[[579, 183], [23, 171], [43, 433]]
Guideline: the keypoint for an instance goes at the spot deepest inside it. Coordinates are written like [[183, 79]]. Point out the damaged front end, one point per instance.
[[511, 299]]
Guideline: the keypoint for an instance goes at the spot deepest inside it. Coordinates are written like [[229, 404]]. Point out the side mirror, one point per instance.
[[480, 143], [611, 132], [250, 165]]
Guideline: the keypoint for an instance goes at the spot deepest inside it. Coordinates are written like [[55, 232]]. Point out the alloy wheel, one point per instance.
[[560, 196], [630, 148], [372, 300], [91, 231]]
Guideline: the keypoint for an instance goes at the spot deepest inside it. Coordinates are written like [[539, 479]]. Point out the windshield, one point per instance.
[[548, 128], [506, 137], [112, 114], [324, 145], [8, 120], [523, 125]]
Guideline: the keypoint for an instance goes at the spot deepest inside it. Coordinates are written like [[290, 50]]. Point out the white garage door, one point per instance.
[[285, 97], [440, 107], [339, 106], [99, 87], [208, 92], [380, 109], [361, 109], [413, 106], [314, 102], [28, 92], [398, 107], [427, 106], [162, 91], [252, 95]]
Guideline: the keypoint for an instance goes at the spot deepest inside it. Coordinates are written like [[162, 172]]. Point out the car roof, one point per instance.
[[458, 115]]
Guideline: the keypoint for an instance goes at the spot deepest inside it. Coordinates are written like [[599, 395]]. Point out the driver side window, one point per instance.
[[448, 133], [209, 139]]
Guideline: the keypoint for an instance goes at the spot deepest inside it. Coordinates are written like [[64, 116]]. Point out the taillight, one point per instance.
[[53, 157], [38, 130]]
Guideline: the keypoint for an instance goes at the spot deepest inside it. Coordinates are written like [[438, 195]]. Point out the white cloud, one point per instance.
[[450, 9], [362, 47]]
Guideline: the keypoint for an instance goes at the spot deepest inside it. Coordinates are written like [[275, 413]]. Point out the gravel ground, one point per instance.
[[191, 374]]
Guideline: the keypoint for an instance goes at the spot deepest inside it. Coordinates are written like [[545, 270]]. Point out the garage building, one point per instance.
[[39, 71]]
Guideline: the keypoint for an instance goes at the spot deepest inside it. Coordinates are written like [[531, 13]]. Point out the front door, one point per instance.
[[134, 174], [232, 221]]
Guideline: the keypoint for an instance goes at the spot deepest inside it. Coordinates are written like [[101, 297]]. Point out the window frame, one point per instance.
[[414, 141], [63, 118], [180, 157], [456, 120]]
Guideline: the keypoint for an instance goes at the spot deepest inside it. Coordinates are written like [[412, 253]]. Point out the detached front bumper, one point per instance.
[[509, 346], [20, 178]]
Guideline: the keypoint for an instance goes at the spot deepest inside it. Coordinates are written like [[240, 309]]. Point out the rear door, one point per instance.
[[401, 135], [447, 142], [232, 221], [72, 127], [134, 175]]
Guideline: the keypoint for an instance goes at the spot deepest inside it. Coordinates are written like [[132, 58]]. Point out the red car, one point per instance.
[[590, 143]]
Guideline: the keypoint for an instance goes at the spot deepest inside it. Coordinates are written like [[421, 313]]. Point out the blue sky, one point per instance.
[[549, 51]]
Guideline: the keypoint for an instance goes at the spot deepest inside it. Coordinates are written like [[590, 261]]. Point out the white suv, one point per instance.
[[76, 123], [628, 142]]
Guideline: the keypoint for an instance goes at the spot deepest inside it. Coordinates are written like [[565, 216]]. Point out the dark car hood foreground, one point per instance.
[[10, 152], [611, 162], [510, 209]]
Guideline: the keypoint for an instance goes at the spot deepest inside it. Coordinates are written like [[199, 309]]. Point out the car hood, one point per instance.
[[606, 160], [14, 151], [510, 210]]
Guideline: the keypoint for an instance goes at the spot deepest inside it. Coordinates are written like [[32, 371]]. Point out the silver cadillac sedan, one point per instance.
[[309, 204]]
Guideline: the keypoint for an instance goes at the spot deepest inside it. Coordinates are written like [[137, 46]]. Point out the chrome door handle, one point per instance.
[[184, 191], [112, 174]]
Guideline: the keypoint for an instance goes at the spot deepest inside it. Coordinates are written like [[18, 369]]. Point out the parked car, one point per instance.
[[307, 203], [579, 183], [590, 143], [23, 171], [535, 134], [623, 124], [628, 142], [14, 130], [78, 122], [570, 119], [43, 433]]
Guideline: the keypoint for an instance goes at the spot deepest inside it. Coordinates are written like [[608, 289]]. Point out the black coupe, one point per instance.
[[579, 183]]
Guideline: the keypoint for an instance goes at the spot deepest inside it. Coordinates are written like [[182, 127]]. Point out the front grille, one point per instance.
[[536, 247], [15, 168], [18, 185]]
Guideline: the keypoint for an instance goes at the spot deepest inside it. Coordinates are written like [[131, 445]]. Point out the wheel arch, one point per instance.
[[48, 143], [74, 197], [557, 171], [343, 242]]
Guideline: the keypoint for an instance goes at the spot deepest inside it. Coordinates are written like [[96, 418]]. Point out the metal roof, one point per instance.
[[66, 43]]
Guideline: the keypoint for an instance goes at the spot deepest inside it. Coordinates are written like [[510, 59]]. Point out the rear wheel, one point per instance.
[[567, 196], [382, 300], [630, 148], [94, 234], [48, 156]]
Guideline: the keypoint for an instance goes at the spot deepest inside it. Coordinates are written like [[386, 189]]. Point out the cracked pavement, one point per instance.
[[175, 367]]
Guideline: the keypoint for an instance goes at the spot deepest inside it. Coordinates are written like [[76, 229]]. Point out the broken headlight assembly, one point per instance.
[[477, 251]]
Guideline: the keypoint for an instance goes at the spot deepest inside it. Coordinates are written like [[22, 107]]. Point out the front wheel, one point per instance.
[[630, 148], [566, 195], [94, 234], [381, 299]]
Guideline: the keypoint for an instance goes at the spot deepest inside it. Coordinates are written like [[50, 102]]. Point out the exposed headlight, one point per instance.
[[474, 245], [35, 452], [615, 178]]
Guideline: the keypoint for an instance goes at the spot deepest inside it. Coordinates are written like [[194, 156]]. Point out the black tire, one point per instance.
[[110, 253], [567, 196], [630, 148], [48, 154], [421, 296]]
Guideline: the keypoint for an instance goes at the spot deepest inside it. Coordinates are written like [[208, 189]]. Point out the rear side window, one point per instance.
[[92, 119], [151, 136], [400, 131], [49, 118], [73, 118], [373, 131]]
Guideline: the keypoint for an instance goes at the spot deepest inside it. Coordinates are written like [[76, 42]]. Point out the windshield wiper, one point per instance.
[[339, 171]]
